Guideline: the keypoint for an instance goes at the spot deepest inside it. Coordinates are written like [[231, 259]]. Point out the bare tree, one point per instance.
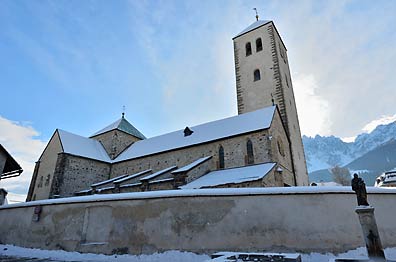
[[341, 175]]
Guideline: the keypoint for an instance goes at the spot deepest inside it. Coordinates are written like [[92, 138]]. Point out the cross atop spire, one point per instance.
[[123, 111], [257, 16]]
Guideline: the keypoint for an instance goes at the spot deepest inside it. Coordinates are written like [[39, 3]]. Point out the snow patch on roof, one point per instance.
[[162, 180], [123, 179], [231, 176], [240, 124], [161, 172], [131, 185], [111, 180], [192, 165], [252, 27], [82, 146]]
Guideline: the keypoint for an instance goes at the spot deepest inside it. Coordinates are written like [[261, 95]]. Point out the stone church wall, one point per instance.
[[291, 111], [153, 186], [76, 173], [132, 188], [280, 150], [234, 155], [115, 142], [200, 170], [293, 219]]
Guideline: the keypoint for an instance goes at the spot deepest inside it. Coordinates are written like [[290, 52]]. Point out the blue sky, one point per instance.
[[74, 64]]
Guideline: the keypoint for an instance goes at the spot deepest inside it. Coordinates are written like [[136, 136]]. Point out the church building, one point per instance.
[[259, 147]]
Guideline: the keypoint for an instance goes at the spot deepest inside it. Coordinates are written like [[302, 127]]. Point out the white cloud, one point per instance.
[[21, 141], [368, 128], [338, 68], [350, 57], [310, 106], [381, 121]]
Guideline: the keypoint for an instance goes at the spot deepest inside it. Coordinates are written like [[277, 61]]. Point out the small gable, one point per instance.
[[122, 125]]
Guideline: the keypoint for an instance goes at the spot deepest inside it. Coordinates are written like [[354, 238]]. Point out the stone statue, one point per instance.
[[359, 187]]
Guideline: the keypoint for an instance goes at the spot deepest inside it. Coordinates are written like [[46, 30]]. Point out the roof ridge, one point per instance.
[[253, 26]]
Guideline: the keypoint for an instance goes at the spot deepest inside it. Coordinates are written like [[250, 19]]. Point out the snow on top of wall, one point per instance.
[[231, 176], [60, 255], [192, 165], [252, 27], [240, 124], [202, 192], [82, 146], [173, 255]]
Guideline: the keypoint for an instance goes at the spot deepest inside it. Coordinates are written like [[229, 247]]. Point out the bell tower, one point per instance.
[[263, 79]]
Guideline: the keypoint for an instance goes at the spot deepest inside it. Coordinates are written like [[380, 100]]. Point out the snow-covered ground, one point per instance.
[[174, 256]]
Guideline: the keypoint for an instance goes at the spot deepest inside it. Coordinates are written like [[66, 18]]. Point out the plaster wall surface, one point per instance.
[[253, 95], [202, 221], [46, 168]]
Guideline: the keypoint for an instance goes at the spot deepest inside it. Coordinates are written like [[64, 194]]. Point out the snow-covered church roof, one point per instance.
[[123, 125], [82, 146], [235, 125], [211, 131], [231, 176], [252, 27]]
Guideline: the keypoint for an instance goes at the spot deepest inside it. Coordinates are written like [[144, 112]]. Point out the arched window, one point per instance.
[[281, 148], [257, 75], [250, 154], [259, 45], [221, 157], [248, 48]]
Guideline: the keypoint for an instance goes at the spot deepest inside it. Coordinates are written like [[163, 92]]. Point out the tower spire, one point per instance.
[[257, 16]]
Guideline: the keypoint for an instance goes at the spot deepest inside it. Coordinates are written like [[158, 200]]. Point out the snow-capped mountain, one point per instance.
[[324, 152]]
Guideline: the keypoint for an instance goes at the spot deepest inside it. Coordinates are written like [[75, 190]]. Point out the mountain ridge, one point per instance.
[[324, 152]]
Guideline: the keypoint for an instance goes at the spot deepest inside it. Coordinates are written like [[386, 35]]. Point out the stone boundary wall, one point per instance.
[[296, 219]]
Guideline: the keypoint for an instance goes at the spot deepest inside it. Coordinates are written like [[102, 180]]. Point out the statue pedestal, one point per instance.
[[370, 233]]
